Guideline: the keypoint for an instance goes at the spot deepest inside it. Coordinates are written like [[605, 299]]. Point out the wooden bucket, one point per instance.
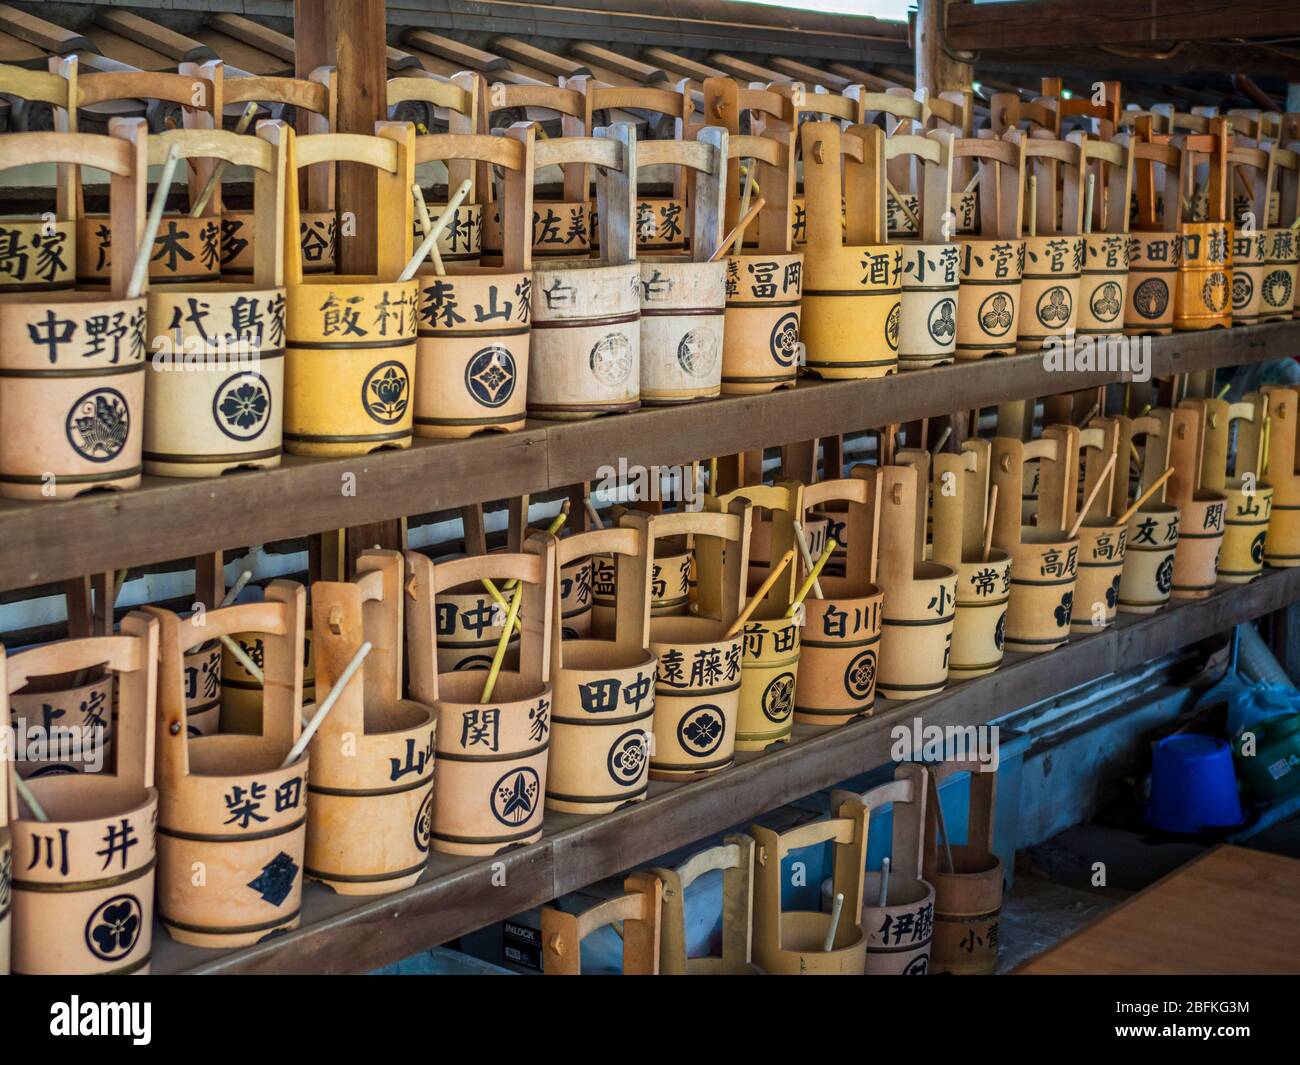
[[1049, 290], [229, 808], [371, 789], [670, 585], [203, 688], [1044, 562], [78, 358], [764, 284], [241, 692], [1149, 558], [697, 681], [1103, 283], [734, 858], [1203, 298], [1154, 262], [1201, 508], [1248, 269], [561, 230], [471, 371], [993, 259], [1282, 542], [351, 340], [576, 598], [979, 629], [492, 757], [1101, 566], [899, 933], [1249, 497], [82, 882], [967, 895], [840, 640], [222, 410], [792, 943], [852, 306], [51, 702], [920, 598], [586, 357], [1278, 284], [605, 689], [769, 660], [637, 917]]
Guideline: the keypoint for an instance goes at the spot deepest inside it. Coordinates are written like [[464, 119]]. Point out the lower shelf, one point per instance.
[[458, 895]]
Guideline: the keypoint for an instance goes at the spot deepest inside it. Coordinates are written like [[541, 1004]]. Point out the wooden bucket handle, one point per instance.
[[1112, 162], [902, 107], [674, 103], [451, 94], [1185, 429], [919, 459], [638, 910], [1096, 444], [721, 584], [1007, 111], [1059, 167], [133, 658], [784, 501], [706, 156], [1001, 163], [897, 552], [908, 794], [861, 493], [1211, 146], [848, 830], [1251, 436], [1058, 474], [773, 159], [960, 495], [629, 543], [280, 618], [734, 858], [1286, 166], [534, 567], [831, 177], [980, 814], [931, 170], [391, 152]]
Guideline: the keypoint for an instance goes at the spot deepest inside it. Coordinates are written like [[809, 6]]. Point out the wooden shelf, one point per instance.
[[457, 895], [170, 518]]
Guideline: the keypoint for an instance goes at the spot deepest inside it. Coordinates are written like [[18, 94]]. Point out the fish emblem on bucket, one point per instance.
[[98, 425], [386, 392]]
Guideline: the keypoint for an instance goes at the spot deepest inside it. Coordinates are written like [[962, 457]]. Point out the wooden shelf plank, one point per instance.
[[171, 518], [458, 895]]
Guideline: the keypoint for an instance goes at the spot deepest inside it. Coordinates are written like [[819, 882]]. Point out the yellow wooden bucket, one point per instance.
[[230, 809], [605, 689], [979, 628], [968, 895], [371, 788], [792, 943], [1282, 542], [928, 335], [852, 296], [1203, 298], [491, 754], [1249, 497], [1201, 507], [471, 370], [1045, 568], [1101, 567], [82, 884], [768, 675], [351, 340], [1241, 557], [1148, 576]]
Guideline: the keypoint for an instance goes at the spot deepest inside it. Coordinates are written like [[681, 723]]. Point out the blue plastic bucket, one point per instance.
[[1193, 785]]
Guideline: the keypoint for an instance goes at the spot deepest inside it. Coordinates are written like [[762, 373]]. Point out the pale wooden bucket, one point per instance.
[[1101, 567], [1154, 260], [683, 304], [203, 688], [989, 297], [1149, 559], [670, 584], [1282, 541], [1103, 284], [317, 237], [916, 633], [1278, 285], [734, 858], [760, 343], [82, 882], [576, 598], [1044, 570], [1049, 290], [697, 697], [1248, 270], [928, 334], [228, 804], [979, 629], [241, 692]]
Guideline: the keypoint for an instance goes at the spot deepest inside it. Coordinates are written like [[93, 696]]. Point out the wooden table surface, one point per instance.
[[1231, 910]]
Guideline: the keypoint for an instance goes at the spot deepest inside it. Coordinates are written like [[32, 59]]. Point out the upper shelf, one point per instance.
[[172, 518]]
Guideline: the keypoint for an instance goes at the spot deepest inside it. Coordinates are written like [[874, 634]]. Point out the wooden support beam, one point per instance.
[[261, 37], [1068, 23], [683, 65], [464, 55], [936, 69], [745, 70], [810, 75], [625, 65], [559, 65], [152, 35]]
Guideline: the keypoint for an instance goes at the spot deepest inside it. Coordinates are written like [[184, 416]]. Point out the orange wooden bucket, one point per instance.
[[82, 882], [491, 754], [637, 915], [1203, 299], [53, 703]]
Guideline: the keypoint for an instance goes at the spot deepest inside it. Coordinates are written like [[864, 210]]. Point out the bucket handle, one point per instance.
[[862, 519], [1096, 444], [735, 860], [281, 619], [629, 543], [773, 159], [930, 156], [898, 525], [907, 792], [980, 812], [133, 658], [960, 503], [535, 569], [707, 156], [1185, 430], [1112, 161], [848, 829], [392, 156], [784, 501], [638, 910], [1001, 195]]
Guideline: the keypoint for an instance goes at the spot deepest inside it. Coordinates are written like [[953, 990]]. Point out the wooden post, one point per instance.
[[936, 70], [351, 35]]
